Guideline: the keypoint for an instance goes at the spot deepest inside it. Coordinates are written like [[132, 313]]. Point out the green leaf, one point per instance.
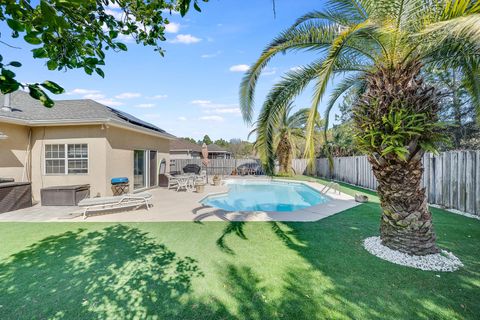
[[52, 87], [121, 46], [100, 72], [195, 5], [38, 94], [15, 25], [32, 39], [52, 64], [15, 64], [39, 53], [7, 73]]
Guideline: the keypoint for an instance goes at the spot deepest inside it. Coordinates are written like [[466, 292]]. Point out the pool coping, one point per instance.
[[338, 202]]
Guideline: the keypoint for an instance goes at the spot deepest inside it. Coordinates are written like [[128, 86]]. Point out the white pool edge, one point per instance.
[[338, 202]]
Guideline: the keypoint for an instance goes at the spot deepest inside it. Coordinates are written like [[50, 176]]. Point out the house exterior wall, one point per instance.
[[120, 147], [13, 151], [110, 154], [92, 135]]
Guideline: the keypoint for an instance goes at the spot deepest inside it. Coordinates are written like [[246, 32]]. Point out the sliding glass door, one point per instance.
[[144, 169], [139, 169]]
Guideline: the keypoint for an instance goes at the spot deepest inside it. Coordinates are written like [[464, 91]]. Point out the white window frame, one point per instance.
[[65, 159]]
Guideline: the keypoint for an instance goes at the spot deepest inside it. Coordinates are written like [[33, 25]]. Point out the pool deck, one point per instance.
[[170, 205]]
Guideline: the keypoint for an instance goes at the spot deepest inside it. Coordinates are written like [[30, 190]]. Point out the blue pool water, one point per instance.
[[265, 196]]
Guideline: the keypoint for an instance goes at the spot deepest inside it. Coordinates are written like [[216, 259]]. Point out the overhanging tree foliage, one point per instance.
[[76, 34]]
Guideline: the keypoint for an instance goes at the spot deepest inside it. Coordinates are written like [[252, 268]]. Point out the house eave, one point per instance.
[[76, 122]]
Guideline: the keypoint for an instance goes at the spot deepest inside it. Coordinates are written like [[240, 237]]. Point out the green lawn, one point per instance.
[[221, 270]]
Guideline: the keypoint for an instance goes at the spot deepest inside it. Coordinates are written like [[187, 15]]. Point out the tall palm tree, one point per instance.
[[380, 48], [278, 135]]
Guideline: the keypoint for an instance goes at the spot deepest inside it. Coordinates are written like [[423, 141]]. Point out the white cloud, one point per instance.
[[79, 91], [182, 118], [116, 14], [159, 96], [210, 55], [239, 68], [128, 95], [145, 105], [185, 39], [217, 108], [110, 102], [172, 27], [202, 103], [226, 110], [94, 96], [211, 118], [296, 68], [269, 71]]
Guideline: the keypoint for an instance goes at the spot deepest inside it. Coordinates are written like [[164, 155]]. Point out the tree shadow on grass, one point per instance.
[[115, 273], [372, 288], [231, 228]]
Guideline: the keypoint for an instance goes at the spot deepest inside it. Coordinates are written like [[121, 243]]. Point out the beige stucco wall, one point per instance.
[[110, 154], [13, 151], [92, 135], [120, 146]]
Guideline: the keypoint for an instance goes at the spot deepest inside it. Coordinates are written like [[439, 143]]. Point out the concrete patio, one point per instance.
[[170, 205]]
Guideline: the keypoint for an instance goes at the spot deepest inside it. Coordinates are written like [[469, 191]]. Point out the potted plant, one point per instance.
[[361, 198], [199, 187], [216, 180]]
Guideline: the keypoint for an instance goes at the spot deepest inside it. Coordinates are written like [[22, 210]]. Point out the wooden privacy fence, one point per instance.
[[451, 179], [221, 166]]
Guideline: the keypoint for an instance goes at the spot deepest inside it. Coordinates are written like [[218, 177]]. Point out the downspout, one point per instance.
[[27, 161]]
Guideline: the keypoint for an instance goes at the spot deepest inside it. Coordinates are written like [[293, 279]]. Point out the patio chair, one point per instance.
[[115, 202], [172, 181], [186, 182]]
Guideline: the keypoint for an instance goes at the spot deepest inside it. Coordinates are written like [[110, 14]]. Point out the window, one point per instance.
[[66, 158]]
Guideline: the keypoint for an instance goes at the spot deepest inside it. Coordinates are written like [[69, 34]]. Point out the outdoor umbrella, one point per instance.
[[205, 160]]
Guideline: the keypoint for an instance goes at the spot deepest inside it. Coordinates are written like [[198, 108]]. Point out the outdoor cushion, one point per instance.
[[119, 180]]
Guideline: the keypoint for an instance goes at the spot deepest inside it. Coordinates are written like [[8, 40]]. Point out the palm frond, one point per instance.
[[311, 36]]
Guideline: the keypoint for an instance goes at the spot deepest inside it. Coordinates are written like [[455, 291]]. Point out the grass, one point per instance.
[[221, 270]]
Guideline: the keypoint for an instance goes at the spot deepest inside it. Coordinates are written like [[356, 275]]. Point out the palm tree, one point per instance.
[[278, 135], [380, 48]]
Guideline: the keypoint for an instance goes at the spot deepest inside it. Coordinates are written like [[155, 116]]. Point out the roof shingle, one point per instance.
[[28, 110]]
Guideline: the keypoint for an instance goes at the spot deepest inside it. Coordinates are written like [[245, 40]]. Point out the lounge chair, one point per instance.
[[115, 202]]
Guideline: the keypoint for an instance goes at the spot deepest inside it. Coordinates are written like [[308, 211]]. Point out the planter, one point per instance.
[[217, 180], [200, 187], [361, 198]]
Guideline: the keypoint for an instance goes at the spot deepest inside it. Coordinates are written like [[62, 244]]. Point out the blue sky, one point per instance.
[[193, 90]]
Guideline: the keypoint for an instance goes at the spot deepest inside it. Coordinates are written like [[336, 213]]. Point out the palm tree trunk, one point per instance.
[[406, 223], [284, 155]]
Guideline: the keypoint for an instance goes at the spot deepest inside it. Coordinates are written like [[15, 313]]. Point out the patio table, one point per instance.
[[185, 181]]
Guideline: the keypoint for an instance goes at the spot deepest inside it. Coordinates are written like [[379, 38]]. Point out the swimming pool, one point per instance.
[[265, 196]]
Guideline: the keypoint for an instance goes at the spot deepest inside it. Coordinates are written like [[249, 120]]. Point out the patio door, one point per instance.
[[153, 168], [139, 169]]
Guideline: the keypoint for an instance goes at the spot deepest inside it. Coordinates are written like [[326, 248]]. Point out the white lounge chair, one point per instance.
[[115, 202]]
